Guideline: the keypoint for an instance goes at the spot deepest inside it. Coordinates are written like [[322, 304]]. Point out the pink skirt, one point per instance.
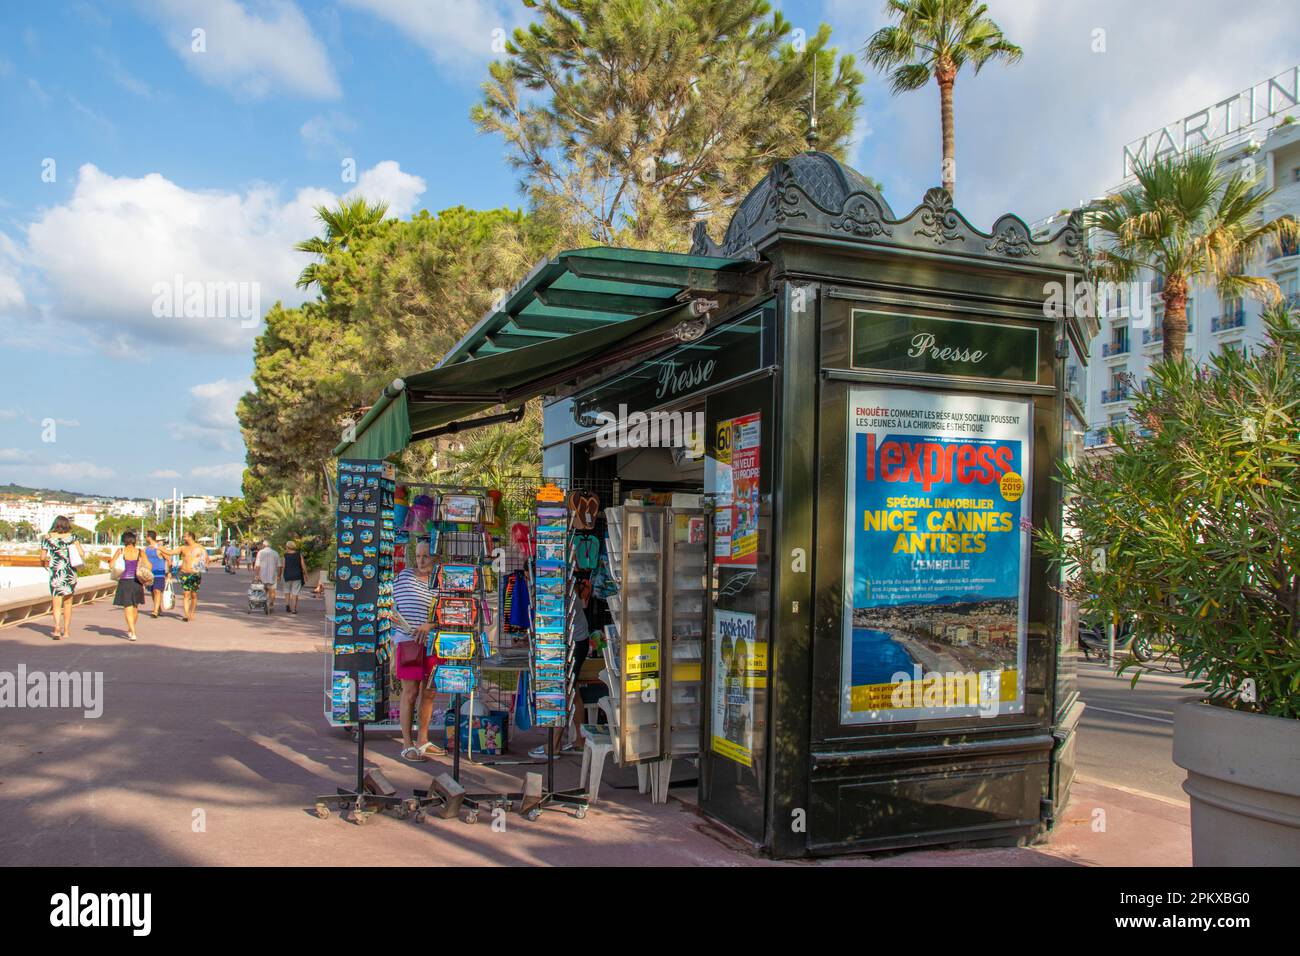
[[415, 671]]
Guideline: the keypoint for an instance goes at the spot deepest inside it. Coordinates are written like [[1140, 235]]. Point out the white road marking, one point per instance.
[[1097, 781], [1124, 713]]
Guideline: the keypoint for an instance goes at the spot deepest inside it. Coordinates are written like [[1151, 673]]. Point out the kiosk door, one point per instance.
[[738, 484]]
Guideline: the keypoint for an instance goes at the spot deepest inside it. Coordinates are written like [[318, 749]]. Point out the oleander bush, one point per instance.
[[1190, 526]]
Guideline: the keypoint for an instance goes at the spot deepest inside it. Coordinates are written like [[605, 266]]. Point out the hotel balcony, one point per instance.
[[1156, 334], [1286, 249], [1120, 393], [1114, 348], [1228, 321], [1097, 438]]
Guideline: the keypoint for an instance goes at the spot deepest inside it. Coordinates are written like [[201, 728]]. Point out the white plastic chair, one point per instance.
[[596, 746]]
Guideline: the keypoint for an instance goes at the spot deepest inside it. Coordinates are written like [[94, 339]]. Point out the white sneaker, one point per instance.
[[538, 752]]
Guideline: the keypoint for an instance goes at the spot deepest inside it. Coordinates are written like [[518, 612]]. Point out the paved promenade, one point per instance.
[[212, 744]]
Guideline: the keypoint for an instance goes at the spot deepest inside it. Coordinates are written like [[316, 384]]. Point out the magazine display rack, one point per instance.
[[654, 650]]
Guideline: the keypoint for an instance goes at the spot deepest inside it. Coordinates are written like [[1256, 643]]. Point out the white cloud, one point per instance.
[[455, 33], [109, 257], [326, 135], [1048, 132], [28, 469], [12, 298], [164, 473], [220, 478], [214, 404], [210, 420], [122, 76], [250, 53], [386, 181], [76, 470]]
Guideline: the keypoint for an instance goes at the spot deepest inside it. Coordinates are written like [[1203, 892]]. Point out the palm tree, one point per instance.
[[341, 225], [277, 512], [499, 456], [936, 38], [1187, 220]]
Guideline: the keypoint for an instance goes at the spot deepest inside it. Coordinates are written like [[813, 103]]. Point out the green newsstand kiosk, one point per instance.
[[883, 403]]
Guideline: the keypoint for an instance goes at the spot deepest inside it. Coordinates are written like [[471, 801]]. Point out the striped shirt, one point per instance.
[[412, 598]]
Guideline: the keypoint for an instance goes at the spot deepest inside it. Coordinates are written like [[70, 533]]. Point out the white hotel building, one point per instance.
[[1259, 127]]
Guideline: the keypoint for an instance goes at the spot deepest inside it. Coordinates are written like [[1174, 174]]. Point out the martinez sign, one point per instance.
[[1208, 125]]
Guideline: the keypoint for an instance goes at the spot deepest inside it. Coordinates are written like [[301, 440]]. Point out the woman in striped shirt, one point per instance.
[[412, 599]]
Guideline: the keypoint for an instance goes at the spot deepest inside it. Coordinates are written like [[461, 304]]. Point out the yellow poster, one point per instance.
[[641, 666]]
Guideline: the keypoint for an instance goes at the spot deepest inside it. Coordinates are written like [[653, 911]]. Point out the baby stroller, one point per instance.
[[257, 598]]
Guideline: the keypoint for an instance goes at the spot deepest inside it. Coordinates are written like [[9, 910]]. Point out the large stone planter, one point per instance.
[[1243, 777]]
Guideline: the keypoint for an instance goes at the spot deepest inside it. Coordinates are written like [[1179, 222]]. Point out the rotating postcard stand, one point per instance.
[[363, 598], [551, 650], [462, 549]]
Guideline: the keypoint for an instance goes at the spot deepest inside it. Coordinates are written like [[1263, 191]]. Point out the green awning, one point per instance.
[[385, 427], [586, 289], [583, 306], [430, 400]]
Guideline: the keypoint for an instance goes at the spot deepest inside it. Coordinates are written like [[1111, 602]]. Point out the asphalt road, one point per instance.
[[1126, 737]]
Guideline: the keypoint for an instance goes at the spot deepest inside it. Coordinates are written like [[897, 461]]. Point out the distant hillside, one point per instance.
[[51, 494], [19, 491]]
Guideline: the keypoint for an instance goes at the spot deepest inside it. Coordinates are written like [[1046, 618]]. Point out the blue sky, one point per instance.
[[130, 158]]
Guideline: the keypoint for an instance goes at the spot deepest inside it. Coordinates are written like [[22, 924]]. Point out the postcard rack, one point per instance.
[[462, 617], [360, 660], [551, 684]]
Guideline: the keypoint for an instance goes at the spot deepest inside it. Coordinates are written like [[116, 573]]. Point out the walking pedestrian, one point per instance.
[[57, 550], [127, 563], [162, 578], [194, 561], [268, 570], [292, 573]]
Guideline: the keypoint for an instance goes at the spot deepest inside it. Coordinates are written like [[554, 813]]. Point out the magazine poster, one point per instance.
[[739, 673], [735, 517], [937, 556]]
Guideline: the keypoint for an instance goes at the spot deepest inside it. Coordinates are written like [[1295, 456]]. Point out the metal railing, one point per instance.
[[1114, 348], [1118, 394], [1284, 249], [1230, 320]]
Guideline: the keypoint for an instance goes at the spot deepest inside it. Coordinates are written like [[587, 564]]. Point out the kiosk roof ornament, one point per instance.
[[814, 194]]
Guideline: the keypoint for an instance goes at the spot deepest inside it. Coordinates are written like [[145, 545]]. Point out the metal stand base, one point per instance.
[[357, 804]]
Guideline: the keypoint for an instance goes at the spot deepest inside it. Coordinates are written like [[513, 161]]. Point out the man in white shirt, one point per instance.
[[268, 569]]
